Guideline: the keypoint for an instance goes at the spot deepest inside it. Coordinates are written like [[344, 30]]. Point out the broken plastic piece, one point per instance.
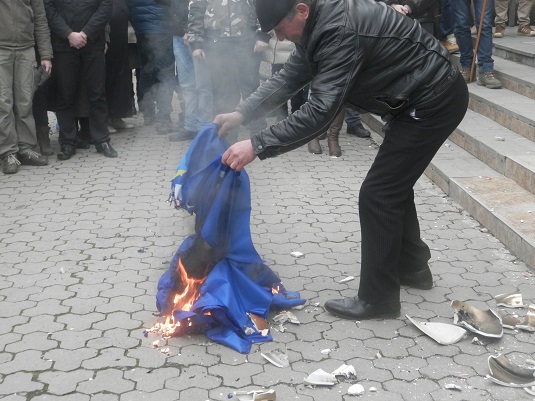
[[256, 395], [451, 386], [506, 373], [326, 351], [529, 320], [476, 341], [285, 316], [508, 321], [510, 300], [348, 278], [277, 358], [321, 378], [259, 322], [356, 389], [296, 254], [530, 390], [346, 370], [487, 323], [442, 333]]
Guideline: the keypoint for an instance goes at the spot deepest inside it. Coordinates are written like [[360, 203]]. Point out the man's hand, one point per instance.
[[228, 121], [47, 65], [400, 9], [77, 39], [259, 46], [199, 54], [239, 155]]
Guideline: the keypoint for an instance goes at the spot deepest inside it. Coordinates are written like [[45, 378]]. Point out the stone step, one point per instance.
[[516, 77], [520, 49], [501, 149], [510, 109], [501, 205]]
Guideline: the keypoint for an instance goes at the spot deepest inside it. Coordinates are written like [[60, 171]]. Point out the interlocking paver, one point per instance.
[[80, 263]]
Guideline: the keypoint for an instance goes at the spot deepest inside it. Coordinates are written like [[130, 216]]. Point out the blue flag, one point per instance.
[[238, 288]]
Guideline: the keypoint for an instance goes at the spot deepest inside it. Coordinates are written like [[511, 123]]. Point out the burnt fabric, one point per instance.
[[238, 282]]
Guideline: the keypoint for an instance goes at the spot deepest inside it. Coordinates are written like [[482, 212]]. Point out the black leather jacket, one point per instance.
[[358, 52]]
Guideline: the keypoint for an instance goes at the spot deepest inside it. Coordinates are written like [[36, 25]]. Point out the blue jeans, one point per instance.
[[352, 117], [446, 26], [463, 21], [195, 112]]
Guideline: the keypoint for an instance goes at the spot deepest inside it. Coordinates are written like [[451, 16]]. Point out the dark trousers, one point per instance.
[[390, 230], [89, 65], [234, 67], [157, 76]]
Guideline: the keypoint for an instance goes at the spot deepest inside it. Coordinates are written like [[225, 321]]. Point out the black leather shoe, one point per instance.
[[356, 309], [66, 152], [421, 279], [106, 149]]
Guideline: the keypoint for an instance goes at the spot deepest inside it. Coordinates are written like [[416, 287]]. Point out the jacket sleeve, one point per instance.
[[98, 21], [56, 22], [41, 30], [197, 9], [331, 68]]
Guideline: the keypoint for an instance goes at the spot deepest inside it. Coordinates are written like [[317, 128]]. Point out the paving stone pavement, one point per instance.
[[84, 241]]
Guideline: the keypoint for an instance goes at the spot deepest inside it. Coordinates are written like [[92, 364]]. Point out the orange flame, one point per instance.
[[189, 294], [183, 300]]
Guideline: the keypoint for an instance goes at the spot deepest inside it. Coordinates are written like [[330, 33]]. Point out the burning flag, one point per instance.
[[217, 283]]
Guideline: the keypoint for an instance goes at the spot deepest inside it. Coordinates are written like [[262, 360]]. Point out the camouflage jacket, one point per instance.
[[222, 19]]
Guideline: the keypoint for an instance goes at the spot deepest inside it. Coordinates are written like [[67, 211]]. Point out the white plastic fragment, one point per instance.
[[277, 358], [348, 371], [326, 351], [321, 378], [297, 254], [451, 386], [373, 389], [286, 316], [356, 389], [476, 341], [348, 278]]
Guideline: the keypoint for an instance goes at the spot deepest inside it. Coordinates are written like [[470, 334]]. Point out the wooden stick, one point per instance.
[[483, 8]]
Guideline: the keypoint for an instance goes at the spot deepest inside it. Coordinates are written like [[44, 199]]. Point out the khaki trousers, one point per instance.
[[524, 8], [17, 126]]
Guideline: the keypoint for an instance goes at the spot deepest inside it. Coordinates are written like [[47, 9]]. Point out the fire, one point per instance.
[[189, 294], [183, 300]]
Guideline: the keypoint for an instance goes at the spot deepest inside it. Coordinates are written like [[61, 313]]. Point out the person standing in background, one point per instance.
[[524, 8], [23, 26]]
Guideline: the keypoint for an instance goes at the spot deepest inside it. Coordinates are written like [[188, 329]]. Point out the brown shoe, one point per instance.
[[525, 30], [499, 31], [450, 46], [465, 73], [489, 80], [314, 146]]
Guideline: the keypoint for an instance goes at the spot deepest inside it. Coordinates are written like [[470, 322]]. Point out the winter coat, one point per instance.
[[88, 16], [278, 51], [212, 19], [352, 51], [24, 25], [149, 16]]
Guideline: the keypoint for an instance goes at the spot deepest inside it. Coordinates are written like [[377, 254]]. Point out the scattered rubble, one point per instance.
[[286, 316], [507, 373], [277, 358], [356, 389], [321, 378], [510, 300]]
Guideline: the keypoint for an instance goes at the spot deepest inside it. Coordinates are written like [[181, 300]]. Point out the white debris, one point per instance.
[[348, 278], [356, 389], [373, 390], [326, 351], [499, 138], [346, 370], [297, 254], [286, 316], [321, 378], [451, 386], [476, 341], [248, 331]]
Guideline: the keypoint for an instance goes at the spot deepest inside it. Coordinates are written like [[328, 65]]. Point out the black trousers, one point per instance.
[[391, 240], [87, 64]]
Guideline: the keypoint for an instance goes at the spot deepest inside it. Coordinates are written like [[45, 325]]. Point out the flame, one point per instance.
[[275, 290], [183, 300], [190, 293]]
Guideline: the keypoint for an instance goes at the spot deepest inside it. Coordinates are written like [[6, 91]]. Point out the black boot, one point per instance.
[[106, 149], [43, 139], [67, 151]]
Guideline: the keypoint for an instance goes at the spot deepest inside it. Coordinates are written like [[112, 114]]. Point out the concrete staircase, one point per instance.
[[488, 164]]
